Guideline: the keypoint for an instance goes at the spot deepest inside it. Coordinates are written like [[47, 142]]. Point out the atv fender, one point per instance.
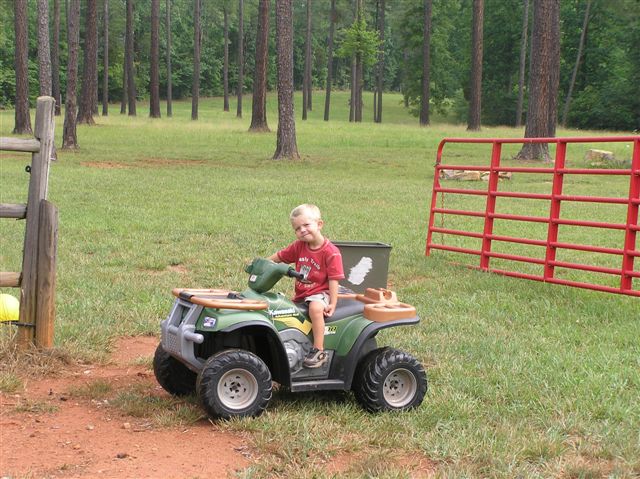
[[256, 334], [347, 368]]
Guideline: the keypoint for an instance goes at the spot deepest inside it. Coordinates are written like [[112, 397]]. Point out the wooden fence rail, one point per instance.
[[13, 211], [9, 280], [29, 145], [37, 278]]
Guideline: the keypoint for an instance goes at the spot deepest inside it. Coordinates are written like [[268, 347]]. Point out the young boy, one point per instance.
[[321, 263]]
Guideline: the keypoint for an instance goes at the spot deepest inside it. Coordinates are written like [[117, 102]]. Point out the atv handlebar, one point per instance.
[[292, 273], [264, 274]]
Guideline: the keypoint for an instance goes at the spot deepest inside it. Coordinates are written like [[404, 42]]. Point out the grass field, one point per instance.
[[526, 379]]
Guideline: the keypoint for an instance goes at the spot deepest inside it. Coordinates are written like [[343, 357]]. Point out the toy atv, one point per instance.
[[228, 347]]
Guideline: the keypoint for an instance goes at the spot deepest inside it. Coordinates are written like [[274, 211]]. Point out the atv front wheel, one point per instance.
[[389, 380], [173, 376], [234, 383]]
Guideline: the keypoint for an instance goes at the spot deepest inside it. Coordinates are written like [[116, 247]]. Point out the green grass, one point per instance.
[[526, 379], [137, 401], [96, 390], [35, 407], [9, 382]]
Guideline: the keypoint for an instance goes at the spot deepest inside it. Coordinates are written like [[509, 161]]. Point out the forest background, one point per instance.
[[606, 94]]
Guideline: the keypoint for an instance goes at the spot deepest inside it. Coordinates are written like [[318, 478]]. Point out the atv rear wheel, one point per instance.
[[173, 376], [234, 383], [389, 380]]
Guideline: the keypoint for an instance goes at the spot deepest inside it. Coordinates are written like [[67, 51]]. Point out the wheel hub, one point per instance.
[[237, 389], [399, 387]]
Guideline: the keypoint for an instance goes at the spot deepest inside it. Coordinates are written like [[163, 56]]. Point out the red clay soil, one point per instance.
[[64, 436]]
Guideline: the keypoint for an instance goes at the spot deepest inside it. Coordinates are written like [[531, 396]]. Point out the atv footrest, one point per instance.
[[322, 385]]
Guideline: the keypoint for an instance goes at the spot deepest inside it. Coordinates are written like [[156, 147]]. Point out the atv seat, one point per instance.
[[344, 308]]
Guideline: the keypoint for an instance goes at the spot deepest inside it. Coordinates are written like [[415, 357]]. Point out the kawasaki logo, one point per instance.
[[283, 312]]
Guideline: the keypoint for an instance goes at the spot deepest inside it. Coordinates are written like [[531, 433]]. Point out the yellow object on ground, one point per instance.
[[9, 308]]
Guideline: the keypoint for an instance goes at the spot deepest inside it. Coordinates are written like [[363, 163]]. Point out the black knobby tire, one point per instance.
[[172, 375], [234, 383], [388, 379]]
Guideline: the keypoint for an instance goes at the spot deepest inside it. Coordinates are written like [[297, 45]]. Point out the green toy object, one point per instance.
[[229, 347]]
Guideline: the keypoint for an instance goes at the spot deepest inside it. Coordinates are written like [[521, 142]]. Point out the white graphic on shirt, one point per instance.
[[360, 271], [305, 270]]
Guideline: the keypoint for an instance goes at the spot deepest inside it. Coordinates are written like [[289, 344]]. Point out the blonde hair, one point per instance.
[[312, 212]]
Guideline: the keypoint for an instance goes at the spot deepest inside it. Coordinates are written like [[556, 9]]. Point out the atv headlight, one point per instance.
[[209, 322]]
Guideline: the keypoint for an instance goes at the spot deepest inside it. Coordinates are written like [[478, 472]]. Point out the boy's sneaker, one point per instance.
[[315, 358]]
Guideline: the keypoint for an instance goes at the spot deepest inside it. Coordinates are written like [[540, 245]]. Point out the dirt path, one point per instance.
[[46, 432]]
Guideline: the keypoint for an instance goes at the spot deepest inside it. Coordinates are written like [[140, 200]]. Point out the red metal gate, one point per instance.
[[553, 221]]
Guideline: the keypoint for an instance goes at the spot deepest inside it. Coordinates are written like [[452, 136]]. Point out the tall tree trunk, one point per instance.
[[375, 74], [332, 23], [523, 59], [286, 146], [195, 87], [44, 54], [22, 118], [55, 57], [307, 64], [69, 137], [89, 71], [380, 76], [574, 74], [94, 104], [225, 67], [125, 84], [154, 83], [426, 65], [375, 103], [304, 95], [543, 79], [309, 55], [475, 101], [169, 73], [131, 74], [359, 79], [240, 56], [105, 60], [259, 100], [554, 71], [405, 68], [359, 85], [352, 100], [44, 49], [354, 69]]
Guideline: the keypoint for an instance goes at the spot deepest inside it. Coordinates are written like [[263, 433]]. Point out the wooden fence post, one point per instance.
[[38, 186], [47, 249]]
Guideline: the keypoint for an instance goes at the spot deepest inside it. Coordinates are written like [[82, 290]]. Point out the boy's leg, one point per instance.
[[316, 314], [316, 357]]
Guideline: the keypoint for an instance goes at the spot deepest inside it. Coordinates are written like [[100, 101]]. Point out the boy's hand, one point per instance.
[[328, 310], [333, 298]]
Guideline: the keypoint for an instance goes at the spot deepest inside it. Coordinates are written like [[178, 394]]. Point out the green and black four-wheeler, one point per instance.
[[229, 347]]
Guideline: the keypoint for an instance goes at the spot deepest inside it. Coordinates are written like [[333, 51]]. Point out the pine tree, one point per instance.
[[544, 77], [89, 88], [69, 136], [23, 118], [286, 146], [154, 83], [259, 100]]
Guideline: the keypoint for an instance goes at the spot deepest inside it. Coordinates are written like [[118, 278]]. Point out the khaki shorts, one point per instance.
[[320, 297]]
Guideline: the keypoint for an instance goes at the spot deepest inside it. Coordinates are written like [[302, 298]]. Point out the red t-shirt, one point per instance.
[[319, 266]]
